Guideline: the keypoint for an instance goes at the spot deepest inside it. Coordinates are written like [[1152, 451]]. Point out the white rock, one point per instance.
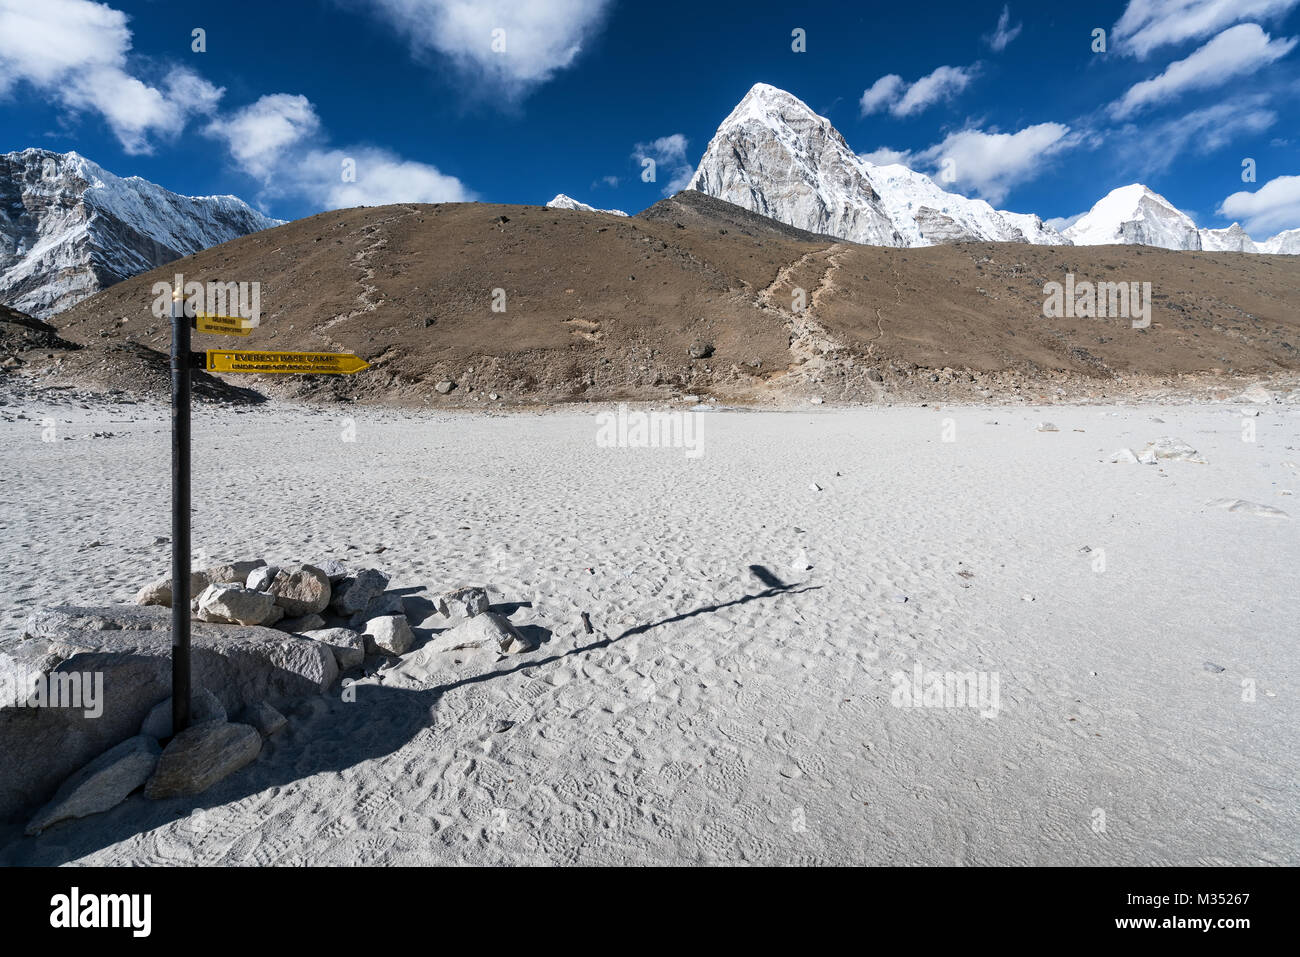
[[204, 706], [236, 605], [349, 646], [1124, 455], [488, 630], [390, 634], [464, 602], [102, 784]]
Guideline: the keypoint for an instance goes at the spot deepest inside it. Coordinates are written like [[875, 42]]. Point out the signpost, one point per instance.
[[224, 325], [213, 360]]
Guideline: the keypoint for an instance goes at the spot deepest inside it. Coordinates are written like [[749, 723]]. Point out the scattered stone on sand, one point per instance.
[[200, 756], [264, 718], [390, 635], [1047, 427], [303, 590], [1257, 394], [102, 784], [488, 630], [299, 625], [1249, 508], [1171, 449], [1216, 669], [816, 400], [445, 386], [204, 706], [464, 602], [1125, 456], [814, 487], [701, 349], [236, 605], [349, 646], [355, 592]]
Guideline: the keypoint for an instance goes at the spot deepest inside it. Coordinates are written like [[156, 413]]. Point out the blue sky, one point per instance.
[[412, 92]]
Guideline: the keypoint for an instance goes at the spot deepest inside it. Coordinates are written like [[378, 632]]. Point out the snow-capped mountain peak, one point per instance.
[[775, 156], [568, 202], [69, 227], [1135, 214]]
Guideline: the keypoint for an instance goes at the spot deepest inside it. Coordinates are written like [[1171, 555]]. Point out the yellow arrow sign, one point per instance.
[[224, 325], [310, 363]]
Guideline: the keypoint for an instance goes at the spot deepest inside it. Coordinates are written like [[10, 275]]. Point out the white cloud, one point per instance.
[[892, 92], [381, 178], [669, 155], [259, 134], [884, 156], [271, 141], [1147, 25], [540, 37], [1236, 51], [1273, 207], [1004, 33], [75, 51], [1200, 131], [992, 164], [880, 94]]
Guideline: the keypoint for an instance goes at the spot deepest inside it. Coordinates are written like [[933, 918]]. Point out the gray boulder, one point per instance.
[[260, 578], [389, 603], [334, 570], [299, 625], [464, 602], [204, 706], [304, 590], [264, 718], [130, 647], [389, 635], [349, 646], [236, 605], [102, 784], [357, 591], [200, 756], [488, 630]]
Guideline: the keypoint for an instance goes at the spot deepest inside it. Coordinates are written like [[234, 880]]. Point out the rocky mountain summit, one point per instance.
[[69, 228]]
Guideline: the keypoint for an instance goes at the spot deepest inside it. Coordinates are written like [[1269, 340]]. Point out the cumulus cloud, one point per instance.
[[259, 134], [1004, 32], [1273, 207], [893, 93], [1147, 25], [1236, 51], [884, 156], [669, 155], [510, 46], [75, 52], [273, 140], [992, 164]]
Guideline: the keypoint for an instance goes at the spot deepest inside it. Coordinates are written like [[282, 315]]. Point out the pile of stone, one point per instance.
[[261, 636]]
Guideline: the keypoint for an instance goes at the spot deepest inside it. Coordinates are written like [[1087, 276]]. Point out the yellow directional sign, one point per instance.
[[311, 363], [224, 325]]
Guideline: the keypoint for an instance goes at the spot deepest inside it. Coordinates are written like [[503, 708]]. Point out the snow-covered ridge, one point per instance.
[[69, 228], [775, 156], [568, 202]]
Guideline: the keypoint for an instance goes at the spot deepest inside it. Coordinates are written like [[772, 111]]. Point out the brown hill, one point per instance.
[[695, 296]]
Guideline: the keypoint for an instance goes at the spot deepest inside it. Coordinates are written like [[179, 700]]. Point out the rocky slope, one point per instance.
[[696, 297], [69, 228]]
